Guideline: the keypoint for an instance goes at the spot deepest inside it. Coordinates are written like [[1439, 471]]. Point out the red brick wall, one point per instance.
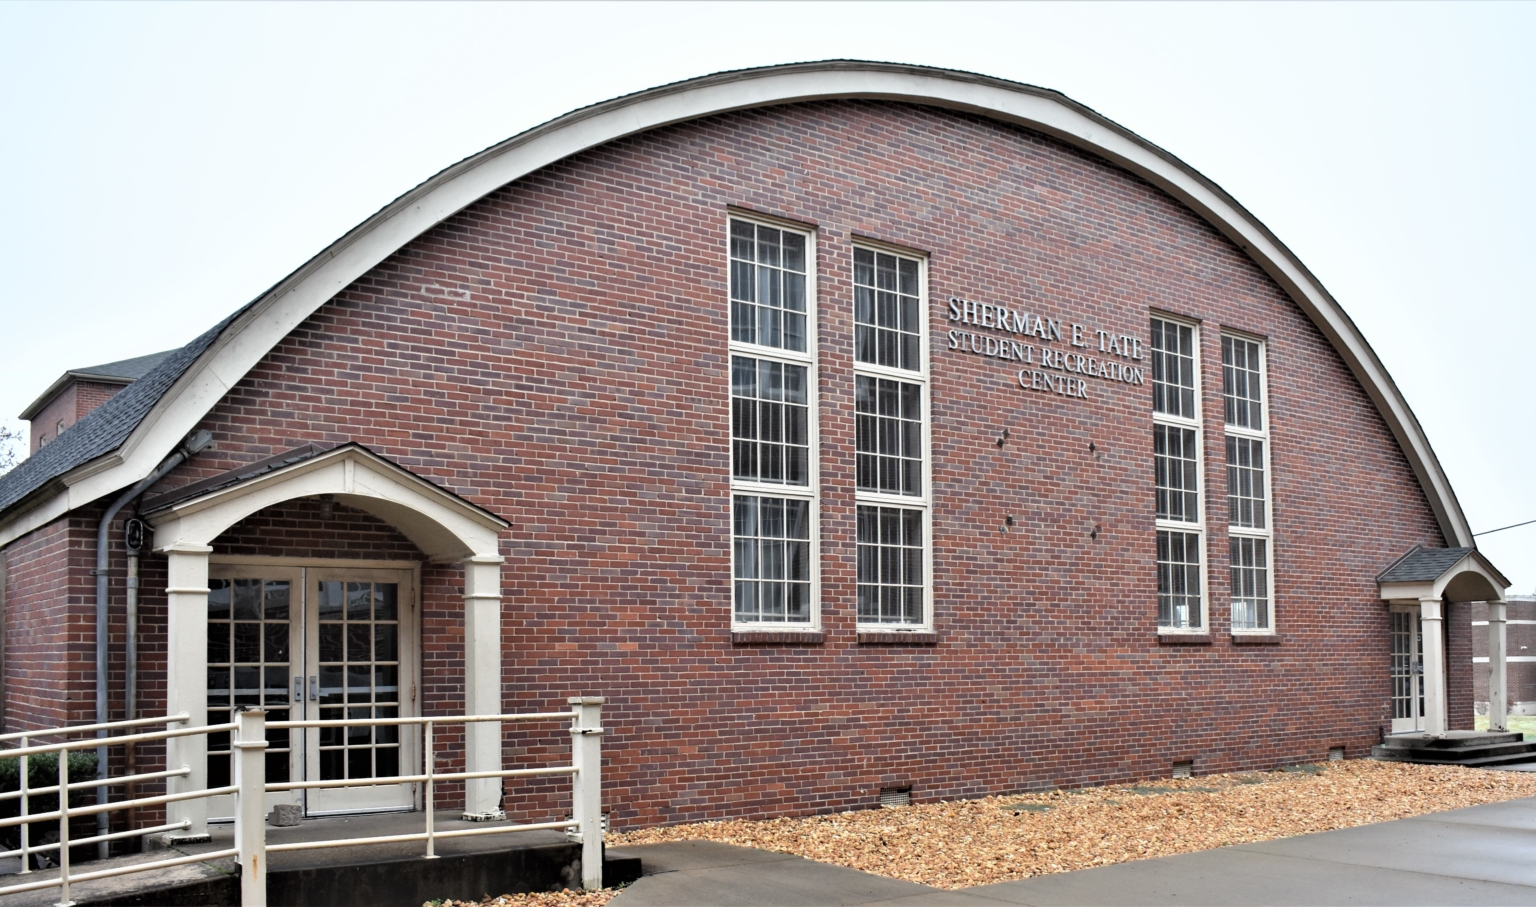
[[557, 354], [1458, 665], [69, 406], [44, 427]]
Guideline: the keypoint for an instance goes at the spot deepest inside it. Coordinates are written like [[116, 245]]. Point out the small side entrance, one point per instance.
[[1407, 670], [316, 642]]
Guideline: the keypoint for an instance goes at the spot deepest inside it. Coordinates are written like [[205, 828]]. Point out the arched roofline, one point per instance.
[[269, 318]]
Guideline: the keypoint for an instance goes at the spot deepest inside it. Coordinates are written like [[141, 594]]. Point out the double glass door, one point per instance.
[[316, 643]]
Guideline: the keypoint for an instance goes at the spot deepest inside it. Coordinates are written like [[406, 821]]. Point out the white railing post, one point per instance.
[[64, 899], [250, 773], [431, 795], [26, 858], [587, 785]]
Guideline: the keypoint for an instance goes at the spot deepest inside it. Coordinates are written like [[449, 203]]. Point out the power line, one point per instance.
[[1502, 528]]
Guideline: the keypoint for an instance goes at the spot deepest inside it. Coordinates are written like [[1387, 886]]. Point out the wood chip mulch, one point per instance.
[[997, 839], [566, 898]]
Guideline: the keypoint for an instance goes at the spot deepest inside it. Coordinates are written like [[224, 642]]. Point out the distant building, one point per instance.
[[1520, 647]]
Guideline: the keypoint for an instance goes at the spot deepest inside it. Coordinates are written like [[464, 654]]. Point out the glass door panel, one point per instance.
[[1407, 670], [253, 643], [357, 625]]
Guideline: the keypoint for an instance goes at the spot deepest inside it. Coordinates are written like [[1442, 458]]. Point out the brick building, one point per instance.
[[849, 427]]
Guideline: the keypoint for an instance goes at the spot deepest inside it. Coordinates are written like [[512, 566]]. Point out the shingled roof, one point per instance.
[[1423, 565], [105, 428]]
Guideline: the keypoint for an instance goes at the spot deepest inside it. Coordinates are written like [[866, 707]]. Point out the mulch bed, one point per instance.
[[566, 898], [996, 839]]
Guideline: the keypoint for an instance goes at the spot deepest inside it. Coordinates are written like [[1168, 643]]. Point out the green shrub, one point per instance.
[[42, 771]]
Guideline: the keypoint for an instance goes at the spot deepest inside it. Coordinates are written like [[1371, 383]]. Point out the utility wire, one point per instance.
[[1502, 528]]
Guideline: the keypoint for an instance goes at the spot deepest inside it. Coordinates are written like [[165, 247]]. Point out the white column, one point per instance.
[[1498, 698], [186, 681], [1434, 666], [482, 684]]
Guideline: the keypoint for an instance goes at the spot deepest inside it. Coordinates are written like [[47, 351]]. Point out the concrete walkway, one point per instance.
[[1479, 855]]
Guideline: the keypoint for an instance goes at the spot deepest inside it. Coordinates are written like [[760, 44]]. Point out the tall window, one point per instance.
[[891, 409], [1250, 535], [1176, 446], [773, 425]]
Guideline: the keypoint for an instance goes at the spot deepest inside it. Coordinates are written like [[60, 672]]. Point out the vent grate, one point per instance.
[[1184, 769], [891, 797], [1335, 754]]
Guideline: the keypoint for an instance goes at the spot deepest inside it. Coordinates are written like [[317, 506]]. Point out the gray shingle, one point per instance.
[[132, 369], [104, 429], [1423, 565]]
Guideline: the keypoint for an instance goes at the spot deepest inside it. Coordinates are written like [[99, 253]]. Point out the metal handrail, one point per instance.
[[82, 728], [250, 787]]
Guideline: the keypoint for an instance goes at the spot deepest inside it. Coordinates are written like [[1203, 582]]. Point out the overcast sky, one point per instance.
[[167, 163]]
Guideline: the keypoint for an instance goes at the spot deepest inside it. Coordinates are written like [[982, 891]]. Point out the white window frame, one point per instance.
[[1268, 533], [923, 502], [1197, 528], [811, 490]]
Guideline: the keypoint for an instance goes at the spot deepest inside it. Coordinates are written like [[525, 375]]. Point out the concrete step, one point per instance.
[[1452, 740], [1469, 756]]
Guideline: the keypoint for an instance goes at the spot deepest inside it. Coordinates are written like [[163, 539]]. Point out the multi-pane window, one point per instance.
[[891, 446], [1173, 368], [773, 422], [886, 310], [1242, 390], [1176, 464], [769, 300], [1250, 583], [1248, 519], [1178, 579], [1176, 456], [773, 559], [891, 559], [1245, 483], [770, 421], [890, 435]]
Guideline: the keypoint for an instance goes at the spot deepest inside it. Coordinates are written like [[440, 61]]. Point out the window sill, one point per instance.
[[1183, 639], [898, 638], [1257, 639], [777, 637]]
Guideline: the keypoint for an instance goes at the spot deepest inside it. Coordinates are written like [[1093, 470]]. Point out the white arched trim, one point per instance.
[[271, 317], [445, 527]]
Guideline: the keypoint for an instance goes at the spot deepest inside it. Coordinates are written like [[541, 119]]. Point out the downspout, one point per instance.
[[191, 445]]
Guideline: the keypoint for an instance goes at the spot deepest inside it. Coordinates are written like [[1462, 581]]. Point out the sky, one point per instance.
[[166, 163]]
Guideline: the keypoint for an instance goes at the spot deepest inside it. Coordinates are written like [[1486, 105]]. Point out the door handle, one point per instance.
[[298, 688], [314, 688]]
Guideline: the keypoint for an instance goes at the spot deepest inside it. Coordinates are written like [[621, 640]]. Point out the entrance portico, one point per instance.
[[1417, 587], [446, 529]]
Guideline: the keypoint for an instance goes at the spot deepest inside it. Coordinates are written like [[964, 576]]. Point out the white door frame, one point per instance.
[[303, 574]]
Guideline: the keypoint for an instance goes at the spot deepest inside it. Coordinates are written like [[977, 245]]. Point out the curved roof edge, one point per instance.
[[269, 318]]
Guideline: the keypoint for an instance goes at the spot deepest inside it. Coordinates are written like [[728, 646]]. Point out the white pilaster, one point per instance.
[[1498, 699], [1434, 665], [482, 684], [186, 680]]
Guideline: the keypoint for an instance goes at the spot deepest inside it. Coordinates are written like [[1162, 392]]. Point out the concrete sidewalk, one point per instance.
[[1479, 855]]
